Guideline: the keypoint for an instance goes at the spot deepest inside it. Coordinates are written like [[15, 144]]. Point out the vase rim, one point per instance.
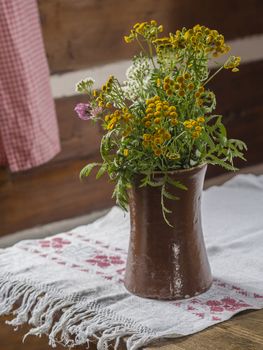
[[200, 166]]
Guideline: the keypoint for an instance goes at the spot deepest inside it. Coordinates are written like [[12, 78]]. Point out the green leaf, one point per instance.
[[166, 210], [155, 183], [177, 184], [101, 171], [169, 195], [87, 170], [208, 140], [216, 161]]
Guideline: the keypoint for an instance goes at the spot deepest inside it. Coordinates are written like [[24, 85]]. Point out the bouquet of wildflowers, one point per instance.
[[160, 119]]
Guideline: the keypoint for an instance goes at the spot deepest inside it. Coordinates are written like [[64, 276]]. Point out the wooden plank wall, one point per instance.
[[84, 33]]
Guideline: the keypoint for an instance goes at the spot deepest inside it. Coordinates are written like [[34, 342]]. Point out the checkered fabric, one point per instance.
[[28, 126]]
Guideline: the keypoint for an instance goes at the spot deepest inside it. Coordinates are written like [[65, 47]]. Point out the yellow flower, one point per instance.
[[173, 156], [107, 117], [190, 86], [149, 115], [172, 109], [174, 114], [151, 105], [149, 110], [157, 152], [180, 79], [176, 86], [146, 137], [153, 22], [95, 93], [201, 119], [160, 28], [157, 120], [181, 93], [157, 114], [167, 135], [158, 141], [190, 123], [125, 152], [136, 25], [147, 124], [146, 144], [195, 134], [166, 86], [174, 122], [108, 105], [187, 125], [127, 39], [198, 128], [117, 113]]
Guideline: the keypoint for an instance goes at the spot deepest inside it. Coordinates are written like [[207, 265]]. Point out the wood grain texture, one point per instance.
[[49, 193], [83, 33], [242, 332]]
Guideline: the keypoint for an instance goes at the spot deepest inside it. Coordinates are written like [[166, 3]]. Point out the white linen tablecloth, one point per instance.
[[70, 286]]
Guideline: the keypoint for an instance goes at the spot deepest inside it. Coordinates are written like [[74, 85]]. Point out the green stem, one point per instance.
[[213, 75], [141, 46], [151, 53]]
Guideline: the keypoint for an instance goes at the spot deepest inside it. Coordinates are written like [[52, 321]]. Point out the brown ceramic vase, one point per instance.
[[164, 262]]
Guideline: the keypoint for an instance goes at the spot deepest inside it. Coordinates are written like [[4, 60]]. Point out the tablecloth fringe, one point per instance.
[[67, 320]]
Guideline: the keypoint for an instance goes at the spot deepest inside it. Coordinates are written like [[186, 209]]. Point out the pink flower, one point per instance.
[[86, 112]]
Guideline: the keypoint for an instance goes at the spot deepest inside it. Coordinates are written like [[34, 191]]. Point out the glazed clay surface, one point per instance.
[[168, 262]]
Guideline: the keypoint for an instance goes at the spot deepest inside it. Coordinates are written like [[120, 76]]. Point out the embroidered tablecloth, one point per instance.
[[70, 286]]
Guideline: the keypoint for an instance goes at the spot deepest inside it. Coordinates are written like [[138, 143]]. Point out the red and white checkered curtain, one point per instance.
[[28, 126]]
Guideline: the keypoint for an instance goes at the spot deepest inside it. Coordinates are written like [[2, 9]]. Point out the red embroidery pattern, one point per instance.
[[109, 263], [54, 242]]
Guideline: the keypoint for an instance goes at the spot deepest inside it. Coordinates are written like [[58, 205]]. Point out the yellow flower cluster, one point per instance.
[[148, 30], [158, 111], [178, 86], [199, 38], [195, 126], [158, 118], [113, 118], [162, 43], [106, 88], [199, 94], [108, 85], [232, 63], [156, 141]]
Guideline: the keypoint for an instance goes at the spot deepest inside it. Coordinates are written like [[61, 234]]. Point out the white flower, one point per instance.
[[90, 81], [84, 85], [138, 78]]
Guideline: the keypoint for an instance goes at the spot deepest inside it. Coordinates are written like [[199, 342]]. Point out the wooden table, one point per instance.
[[242, 332]]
